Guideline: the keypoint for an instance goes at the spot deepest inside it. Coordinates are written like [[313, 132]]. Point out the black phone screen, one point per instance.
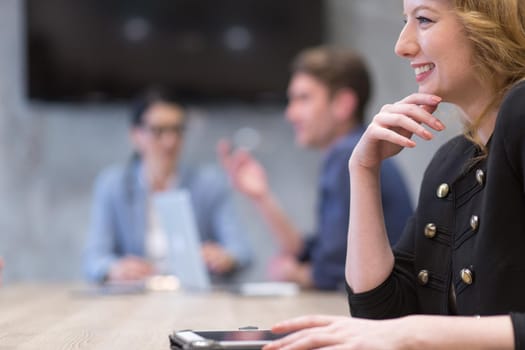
[[239, 335]]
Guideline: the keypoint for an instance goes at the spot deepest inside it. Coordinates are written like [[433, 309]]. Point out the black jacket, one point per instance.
[[467, 236]]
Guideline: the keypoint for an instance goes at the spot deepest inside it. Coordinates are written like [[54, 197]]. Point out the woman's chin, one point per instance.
[[424, 89], [428, 90]]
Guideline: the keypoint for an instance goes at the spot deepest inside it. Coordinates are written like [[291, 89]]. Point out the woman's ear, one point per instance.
[[344, 104]]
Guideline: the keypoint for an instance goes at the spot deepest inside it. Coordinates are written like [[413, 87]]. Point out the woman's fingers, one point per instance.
[[305, 330], [301, 339], [390, 136], [312, 340], [392, 129], [397, 123], [415, 112], [302, 322], [429, 109], [429, 104], [422, 99]]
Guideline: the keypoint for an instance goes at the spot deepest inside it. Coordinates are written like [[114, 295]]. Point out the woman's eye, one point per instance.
[[423, 20]]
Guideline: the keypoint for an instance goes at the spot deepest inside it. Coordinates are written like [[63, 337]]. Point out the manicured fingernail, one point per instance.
[[439, 125], [437, 99]]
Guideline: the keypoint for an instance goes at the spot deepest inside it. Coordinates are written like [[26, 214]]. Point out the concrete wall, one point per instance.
[[50, 154]]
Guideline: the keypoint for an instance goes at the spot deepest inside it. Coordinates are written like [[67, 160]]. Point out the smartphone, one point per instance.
[[226, 340]]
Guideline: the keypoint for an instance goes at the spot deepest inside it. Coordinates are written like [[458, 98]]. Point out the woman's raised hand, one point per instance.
[[392, 129]]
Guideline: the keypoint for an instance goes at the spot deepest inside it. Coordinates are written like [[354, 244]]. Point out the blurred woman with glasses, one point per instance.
[[125, 240]]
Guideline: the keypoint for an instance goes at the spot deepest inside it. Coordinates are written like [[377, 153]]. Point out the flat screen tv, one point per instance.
[[201, 50]]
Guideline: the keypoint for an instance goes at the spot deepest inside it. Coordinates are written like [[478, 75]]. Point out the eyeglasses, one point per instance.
[[158, 131]]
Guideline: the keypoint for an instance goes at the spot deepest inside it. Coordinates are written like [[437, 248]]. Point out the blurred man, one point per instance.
[[125, 240], [328, 93]]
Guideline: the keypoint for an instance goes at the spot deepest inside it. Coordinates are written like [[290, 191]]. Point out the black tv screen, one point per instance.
[[200, 50]]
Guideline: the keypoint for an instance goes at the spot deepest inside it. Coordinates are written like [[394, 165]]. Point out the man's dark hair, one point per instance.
[[337, 68]]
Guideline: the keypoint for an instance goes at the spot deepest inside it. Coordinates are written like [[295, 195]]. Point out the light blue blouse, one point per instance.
[[119, 215]]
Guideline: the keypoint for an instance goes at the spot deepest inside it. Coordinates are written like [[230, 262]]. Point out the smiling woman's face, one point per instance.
[[159, 140], [434, 41]]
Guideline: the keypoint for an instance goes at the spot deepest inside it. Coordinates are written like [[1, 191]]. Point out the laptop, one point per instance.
[[176, 216]]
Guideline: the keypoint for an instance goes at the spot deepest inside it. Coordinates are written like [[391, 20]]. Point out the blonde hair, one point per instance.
[[496, 29]]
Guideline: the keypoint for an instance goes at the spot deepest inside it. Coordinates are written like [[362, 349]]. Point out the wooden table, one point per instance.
[[57, 317]]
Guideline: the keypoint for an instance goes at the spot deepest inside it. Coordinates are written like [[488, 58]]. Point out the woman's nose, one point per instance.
[[407, 45]]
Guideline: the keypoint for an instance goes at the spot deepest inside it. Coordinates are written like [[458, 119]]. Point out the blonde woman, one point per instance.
[[456, 278]]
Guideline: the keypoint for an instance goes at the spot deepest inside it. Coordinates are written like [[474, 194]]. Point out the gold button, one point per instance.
[[467, 276], [442, 191], [480, 177], [474, 222], [430, 230], [422, 277]]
